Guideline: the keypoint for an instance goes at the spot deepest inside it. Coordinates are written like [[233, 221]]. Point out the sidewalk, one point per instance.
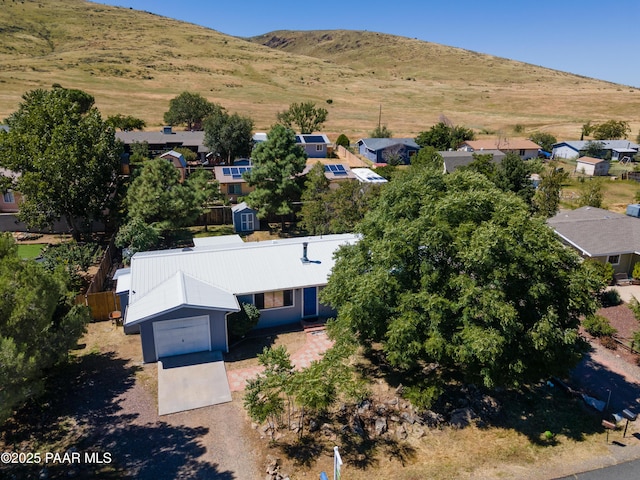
[[316, 343]]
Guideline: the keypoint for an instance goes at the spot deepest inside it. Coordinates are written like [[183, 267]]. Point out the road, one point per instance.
[[622, 471]]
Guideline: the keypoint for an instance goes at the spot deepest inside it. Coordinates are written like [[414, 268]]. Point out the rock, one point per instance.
[[408, 418], [313, 426], [401, 432], [417, 431], [380, 426], [364, 406], [393, 401], [381, 409], [462, 417], [432, 419], [357, 426], [394, 418], [400, 390]]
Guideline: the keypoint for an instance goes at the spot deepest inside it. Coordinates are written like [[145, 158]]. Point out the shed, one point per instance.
[[592, 166], [245, 218]]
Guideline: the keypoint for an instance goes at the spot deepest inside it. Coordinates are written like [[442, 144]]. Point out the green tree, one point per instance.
[[593, 149], [512, 175], [544, 139], [482, 163], [591, 194], [190, 109], [38, 325], [306, 116], [587, 128], [206, 190], [66, 156], [546, 200], [315, 213], [611, 130], [443, 136], [139, 152], [381, 132], [137, 236], [276, 163], [428, 157], [228, 136], [343, 141], [349, 203], [188, 154], [73, 258], [465, 279], [126, 123], [158, 199]]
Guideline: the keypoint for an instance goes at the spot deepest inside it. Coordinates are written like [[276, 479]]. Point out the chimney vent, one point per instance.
[[304, 258], [167, 130]]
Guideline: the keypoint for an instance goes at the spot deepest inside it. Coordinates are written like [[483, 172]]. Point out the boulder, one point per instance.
[[380, 426]]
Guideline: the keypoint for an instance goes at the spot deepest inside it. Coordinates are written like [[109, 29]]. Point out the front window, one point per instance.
[[275, 299], [8, 197], [613, 259], [319, 148], [522, 152]]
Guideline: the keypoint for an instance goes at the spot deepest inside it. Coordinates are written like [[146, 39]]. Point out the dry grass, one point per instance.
[[134, 62]]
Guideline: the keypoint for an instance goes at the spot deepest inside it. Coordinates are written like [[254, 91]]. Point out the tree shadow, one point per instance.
[[305, 451], [254, 343], [80, 410]]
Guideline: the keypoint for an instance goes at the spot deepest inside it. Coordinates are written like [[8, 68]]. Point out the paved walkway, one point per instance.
[[627, 292], [316, 343]]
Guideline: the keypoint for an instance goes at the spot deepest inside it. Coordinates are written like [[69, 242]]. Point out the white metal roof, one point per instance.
[[367, 175], [180, 290], [239, 269], [220, 241]]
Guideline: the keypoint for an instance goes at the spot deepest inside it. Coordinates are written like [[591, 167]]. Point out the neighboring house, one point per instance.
[[164, 140], [334, 172], [245, 219], [179, 300], [10, 199], [316, 145], [232, 184], [381, 150], [462, 158], [178, 161], [525, 149], [604, 236], [592, 167], [366, 175], [619, 149]]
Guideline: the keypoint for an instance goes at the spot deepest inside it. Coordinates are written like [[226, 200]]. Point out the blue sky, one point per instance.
[[597, 39]]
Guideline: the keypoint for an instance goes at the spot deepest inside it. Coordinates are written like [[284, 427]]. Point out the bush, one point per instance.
[[240, 323], [636, 270], [609, 343], [343, 141], [610, 298], [598, 326]]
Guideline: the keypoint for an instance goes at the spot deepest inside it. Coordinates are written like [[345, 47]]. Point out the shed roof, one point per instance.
[[376, 144], [590, 160], [461, 158], [502, 144], [366, 175], [597, 232]]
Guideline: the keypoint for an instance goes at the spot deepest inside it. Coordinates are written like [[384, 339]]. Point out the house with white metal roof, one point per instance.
[[573, 149], [179, 299]]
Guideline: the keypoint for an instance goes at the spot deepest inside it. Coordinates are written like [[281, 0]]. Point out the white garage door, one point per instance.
[[182, 336]]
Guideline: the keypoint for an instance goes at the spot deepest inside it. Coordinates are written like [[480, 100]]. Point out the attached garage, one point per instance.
[[182, 336]]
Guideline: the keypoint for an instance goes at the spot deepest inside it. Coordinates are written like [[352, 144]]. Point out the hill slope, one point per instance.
[[134, 62]]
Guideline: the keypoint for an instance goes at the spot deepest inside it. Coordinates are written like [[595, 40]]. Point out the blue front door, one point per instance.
[[310, 302]]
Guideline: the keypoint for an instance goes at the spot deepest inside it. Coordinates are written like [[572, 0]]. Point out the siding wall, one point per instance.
[[217, 327]]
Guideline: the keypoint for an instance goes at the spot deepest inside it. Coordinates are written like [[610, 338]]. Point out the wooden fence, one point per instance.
[[101, 303], [352, 160]]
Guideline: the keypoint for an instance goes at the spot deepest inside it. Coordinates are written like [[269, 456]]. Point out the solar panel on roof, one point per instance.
[[340, 168], [235, 171], [226, 171], [313, 138], [236, 176]]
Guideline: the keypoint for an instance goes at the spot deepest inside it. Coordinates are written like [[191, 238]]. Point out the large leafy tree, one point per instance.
[[157, 203], [465, 280], [513, 175], [444, 136], [306, 116], [611, 130], [228, 136], [38, 325], [126, 123], [190, 109], [66, 157], [546, 200], [276, 164], [544, 139], [315, 212]]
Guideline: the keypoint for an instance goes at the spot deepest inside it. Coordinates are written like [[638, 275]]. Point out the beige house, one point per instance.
[[592, 167], [232, 184], [601, 235], [525, 149]]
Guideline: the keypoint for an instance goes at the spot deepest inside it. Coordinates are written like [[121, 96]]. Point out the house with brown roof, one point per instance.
[[525, 149], [592, 167]]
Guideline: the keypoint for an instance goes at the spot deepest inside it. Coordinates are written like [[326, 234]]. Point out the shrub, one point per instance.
[[609, 342], [636, 270], [610, 298], [343, 141], [598, 326], [240, 323]]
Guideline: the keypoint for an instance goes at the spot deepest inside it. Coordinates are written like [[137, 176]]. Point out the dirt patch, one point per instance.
[[23, 238], [623, 320]]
